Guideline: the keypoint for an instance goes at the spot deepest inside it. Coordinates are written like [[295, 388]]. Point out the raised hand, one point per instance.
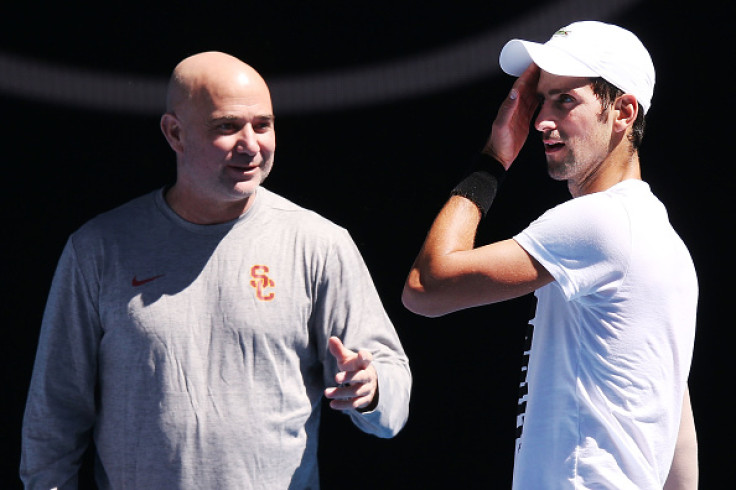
[[511, 126]]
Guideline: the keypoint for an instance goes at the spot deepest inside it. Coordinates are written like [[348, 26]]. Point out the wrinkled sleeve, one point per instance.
[[582, 243], [60, 409], [348, 306]]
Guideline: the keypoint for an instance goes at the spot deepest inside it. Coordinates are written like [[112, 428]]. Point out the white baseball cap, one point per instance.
[[588, 49]]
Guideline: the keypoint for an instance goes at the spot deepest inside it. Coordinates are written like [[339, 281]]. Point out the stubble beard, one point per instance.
[[562, 170]]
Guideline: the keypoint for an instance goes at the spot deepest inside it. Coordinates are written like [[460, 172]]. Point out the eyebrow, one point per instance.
[[233, 117], [556, 91], [563, 88]]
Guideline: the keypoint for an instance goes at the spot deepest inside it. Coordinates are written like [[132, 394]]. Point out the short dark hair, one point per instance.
[[607, 93]]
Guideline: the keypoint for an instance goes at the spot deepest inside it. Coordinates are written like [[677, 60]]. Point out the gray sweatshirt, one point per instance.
[[196, 356]]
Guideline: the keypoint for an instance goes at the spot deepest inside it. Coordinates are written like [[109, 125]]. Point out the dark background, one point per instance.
[[381, 165]]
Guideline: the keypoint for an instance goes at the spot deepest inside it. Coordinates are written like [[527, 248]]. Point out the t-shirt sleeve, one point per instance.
[[584, 243]]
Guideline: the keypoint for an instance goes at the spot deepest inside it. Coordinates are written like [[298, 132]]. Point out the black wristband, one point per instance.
[[481, 182]]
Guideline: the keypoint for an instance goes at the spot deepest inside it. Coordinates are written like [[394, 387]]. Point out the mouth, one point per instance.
[[552, 146], [243, 173], [244, 169]]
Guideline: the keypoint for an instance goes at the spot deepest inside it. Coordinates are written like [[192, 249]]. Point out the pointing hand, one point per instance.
[[357, 380]]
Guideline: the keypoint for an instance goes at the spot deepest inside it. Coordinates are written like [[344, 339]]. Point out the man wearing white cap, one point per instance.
[[605, 395]]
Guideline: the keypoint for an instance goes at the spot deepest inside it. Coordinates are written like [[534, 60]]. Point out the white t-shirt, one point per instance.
[[612, 345]]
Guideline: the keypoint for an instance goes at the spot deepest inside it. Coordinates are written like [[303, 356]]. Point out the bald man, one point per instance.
[[193, 332]]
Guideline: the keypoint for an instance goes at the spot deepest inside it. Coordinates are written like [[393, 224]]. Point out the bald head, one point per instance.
[[206, 75], [220, 123]]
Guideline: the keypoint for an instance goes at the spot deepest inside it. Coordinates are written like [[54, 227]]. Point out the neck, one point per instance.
[[203, 211], [620, 165]]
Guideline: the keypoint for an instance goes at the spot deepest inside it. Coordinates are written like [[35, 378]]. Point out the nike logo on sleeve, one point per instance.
[[140, 282]]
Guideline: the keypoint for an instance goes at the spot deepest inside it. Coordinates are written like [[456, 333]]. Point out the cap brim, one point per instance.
[[517, 55], [514, 57]]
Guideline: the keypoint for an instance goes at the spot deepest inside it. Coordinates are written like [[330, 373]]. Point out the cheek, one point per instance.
[[268, 144], [223, 144]]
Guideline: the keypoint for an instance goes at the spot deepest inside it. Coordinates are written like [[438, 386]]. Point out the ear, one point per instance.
[[627, 108], [171, 128]]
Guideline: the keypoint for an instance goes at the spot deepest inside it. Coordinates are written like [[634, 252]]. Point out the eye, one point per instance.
[[262, 126], [227, 127]]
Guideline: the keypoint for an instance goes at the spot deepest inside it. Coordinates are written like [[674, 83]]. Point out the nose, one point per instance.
[[248, 141], [544, 121]]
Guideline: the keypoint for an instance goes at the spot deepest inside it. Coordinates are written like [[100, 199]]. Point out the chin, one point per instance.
[[561, 170], [557, 176], [239, 194], [247, 187], [555, 172]]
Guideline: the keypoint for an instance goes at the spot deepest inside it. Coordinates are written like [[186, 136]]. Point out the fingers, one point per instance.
[[351, 404], [353, 378], [348, 360], [357, 380], [355, 390], [522, 99], [527, 81], [526, 89], [350, 395], [511, 126], [338, 350]]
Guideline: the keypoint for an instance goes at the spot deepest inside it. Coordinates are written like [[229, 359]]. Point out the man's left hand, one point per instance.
[[357, 380]]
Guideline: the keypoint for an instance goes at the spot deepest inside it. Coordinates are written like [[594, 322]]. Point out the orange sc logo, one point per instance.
[[261, 282]]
